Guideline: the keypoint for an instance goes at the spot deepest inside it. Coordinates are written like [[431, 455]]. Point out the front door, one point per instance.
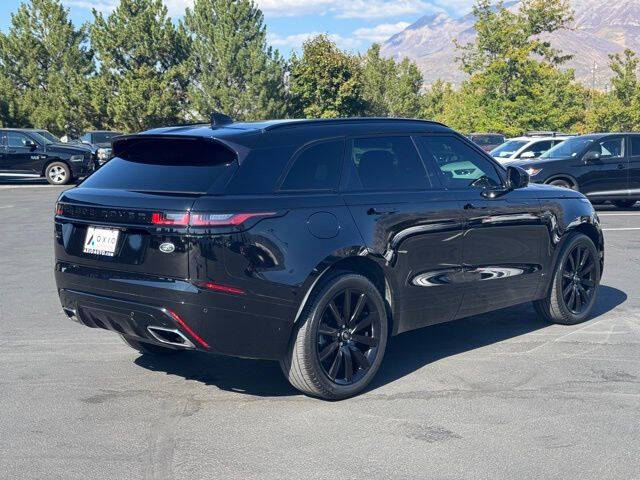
[[502, 236], [607, 176], [634, 166], [410, 224]]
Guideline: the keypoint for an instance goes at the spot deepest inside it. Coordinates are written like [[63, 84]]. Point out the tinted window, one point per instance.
[[460, 165], [508, 148], [387, 163], [16, 139], [166, 165], [635, 146], [539, 148], [316, 168], [609, 147], [104, 137]]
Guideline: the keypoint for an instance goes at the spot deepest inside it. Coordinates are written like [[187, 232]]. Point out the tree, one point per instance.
[[390, 88], [435, 100], [326, 82], [46, 62], [236, 72], [142, 57], [515, 82]]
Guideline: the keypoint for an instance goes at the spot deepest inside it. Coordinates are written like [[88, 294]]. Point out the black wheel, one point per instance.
[[575, 283], [149, 348], [339, 340], [58, 173], [624, 203], [561, 183]]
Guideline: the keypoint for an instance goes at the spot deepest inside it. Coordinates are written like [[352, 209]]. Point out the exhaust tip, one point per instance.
[[170, 336], [71, 313]]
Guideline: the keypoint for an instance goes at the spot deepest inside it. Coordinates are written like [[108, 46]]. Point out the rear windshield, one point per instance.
[[166, 165], [104, 137]]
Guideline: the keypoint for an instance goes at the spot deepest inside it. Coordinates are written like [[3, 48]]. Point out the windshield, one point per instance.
[[104, 137], [48, 135], [568, 148], [40, 139], [507, 149]]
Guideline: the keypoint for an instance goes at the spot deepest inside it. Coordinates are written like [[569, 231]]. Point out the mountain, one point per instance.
[[600, 27]]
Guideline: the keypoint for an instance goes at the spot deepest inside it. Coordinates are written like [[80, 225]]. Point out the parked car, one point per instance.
[[312, 242], [528, 147], [100, 143], [604, 167], [26, 153], [487, 141]]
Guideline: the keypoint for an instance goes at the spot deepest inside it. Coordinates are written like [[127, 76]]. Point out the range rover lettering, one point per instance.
[[313, 242]]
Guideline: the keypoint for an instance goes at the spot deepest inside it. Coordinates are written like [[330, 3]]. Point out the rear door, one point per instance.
[[409, 223], [634, 166], [3, 151], [21, 158], [503, 236]]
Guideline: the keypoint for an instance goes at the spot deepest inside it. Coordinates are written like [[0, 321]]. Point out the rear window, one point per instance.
[[316, 168], [167, 165], [635, 146]]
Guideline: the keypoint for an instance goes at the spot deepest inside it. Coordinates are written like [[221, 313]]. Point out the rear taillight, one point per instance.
[[178, 219], [224, 219], [205, 219]]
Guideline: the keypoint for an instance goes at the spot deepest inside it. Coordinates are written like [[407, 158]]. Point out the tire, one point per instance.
[[58, 173], [319, 342], [569, 278], [149, 348], [561, 183], [624, 203]]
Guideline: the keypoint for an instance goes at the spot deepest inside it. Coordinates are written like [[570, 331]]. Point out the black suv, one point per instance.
[[604, 167], [313, 242], [100, 142], [26, 153]]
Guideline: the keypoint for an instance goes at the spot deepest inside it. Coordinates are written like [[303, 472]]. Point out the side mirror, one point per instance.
[[591, 156], [517, 178], [30, 144], [528, 155]]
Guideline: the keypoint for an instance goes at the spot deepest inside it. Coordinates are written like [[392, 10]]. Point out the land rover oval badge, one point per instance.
[[167, 247]]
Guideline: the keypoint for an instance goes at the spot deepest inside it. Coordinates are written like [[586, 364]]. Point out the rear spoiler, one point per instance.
[[123, 143]]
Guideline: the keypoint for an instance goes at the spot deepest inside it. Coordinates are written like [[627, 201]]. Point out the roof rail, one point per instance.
[[219, 120], [324, 121], [549, 134]]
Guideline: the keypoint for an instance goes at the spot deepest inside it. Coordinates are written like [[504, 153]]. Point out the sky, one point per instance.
[[353, 24]]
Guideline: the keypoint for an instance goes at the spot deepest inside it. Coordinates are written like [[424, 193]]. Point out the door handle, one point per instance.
[[621, 166], [374, 211], [471, 206]]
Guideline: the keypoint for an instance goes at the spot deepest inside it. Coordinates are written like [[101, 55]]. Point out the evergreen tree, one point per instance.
[[142, 57], [390, 88], [46, 62], [236, 72], [326, 82]]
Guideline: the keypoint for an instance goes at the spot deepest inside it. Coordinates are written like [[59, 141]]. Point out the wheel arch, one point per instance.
[[563, 176], [364, 265]]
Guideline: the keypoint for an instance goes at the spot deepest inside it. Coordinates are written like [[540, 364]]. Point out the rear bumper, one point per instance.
[[213, 322]]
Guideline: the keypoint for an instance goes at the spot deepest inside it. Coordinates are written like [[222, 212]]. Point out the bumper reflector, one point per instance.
[[187, 328]]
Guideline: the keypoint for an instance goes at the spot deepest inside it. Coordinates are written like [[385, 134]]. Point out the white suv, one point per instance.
[[528, 147]]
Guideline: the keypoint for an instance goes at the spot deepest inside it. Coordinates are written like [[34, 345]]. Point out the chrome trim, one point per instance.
[[187, 343]]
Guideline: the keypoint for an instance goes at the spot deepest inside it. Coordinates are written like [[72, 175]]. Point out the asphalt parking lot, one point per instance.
[[503, 395]]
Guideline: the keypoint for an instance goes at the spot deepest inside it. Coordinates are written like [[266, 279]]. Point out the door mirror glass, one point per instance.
[[30, 144], [591, 156], [517, 178]]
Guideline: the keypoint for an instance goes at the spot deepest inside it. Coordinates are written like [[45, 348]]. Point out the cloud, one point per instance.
[[104, 6], [294, 42], [381, 32], [362, 9]]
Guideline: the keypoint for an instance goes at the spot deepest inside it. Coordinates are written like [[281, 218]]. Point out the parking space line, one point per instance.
[[619, 214], [620, 229]]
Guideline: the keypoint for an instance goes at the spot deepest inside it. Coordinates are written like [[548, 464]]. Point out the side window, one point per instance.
[[609, 147], [538, 148], [459, 165], [85, 138], [16, 139], [316, 168], [386, 163], [635, 145]]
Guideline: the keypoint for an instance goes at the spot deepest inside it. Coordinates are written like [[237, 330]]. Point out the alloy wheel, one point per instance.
[[57, 174], [578, 279], [348, 337]]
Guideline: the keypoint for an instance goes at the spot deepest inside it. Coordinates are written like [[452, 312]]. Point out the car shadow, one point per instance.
[[405, 354]]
